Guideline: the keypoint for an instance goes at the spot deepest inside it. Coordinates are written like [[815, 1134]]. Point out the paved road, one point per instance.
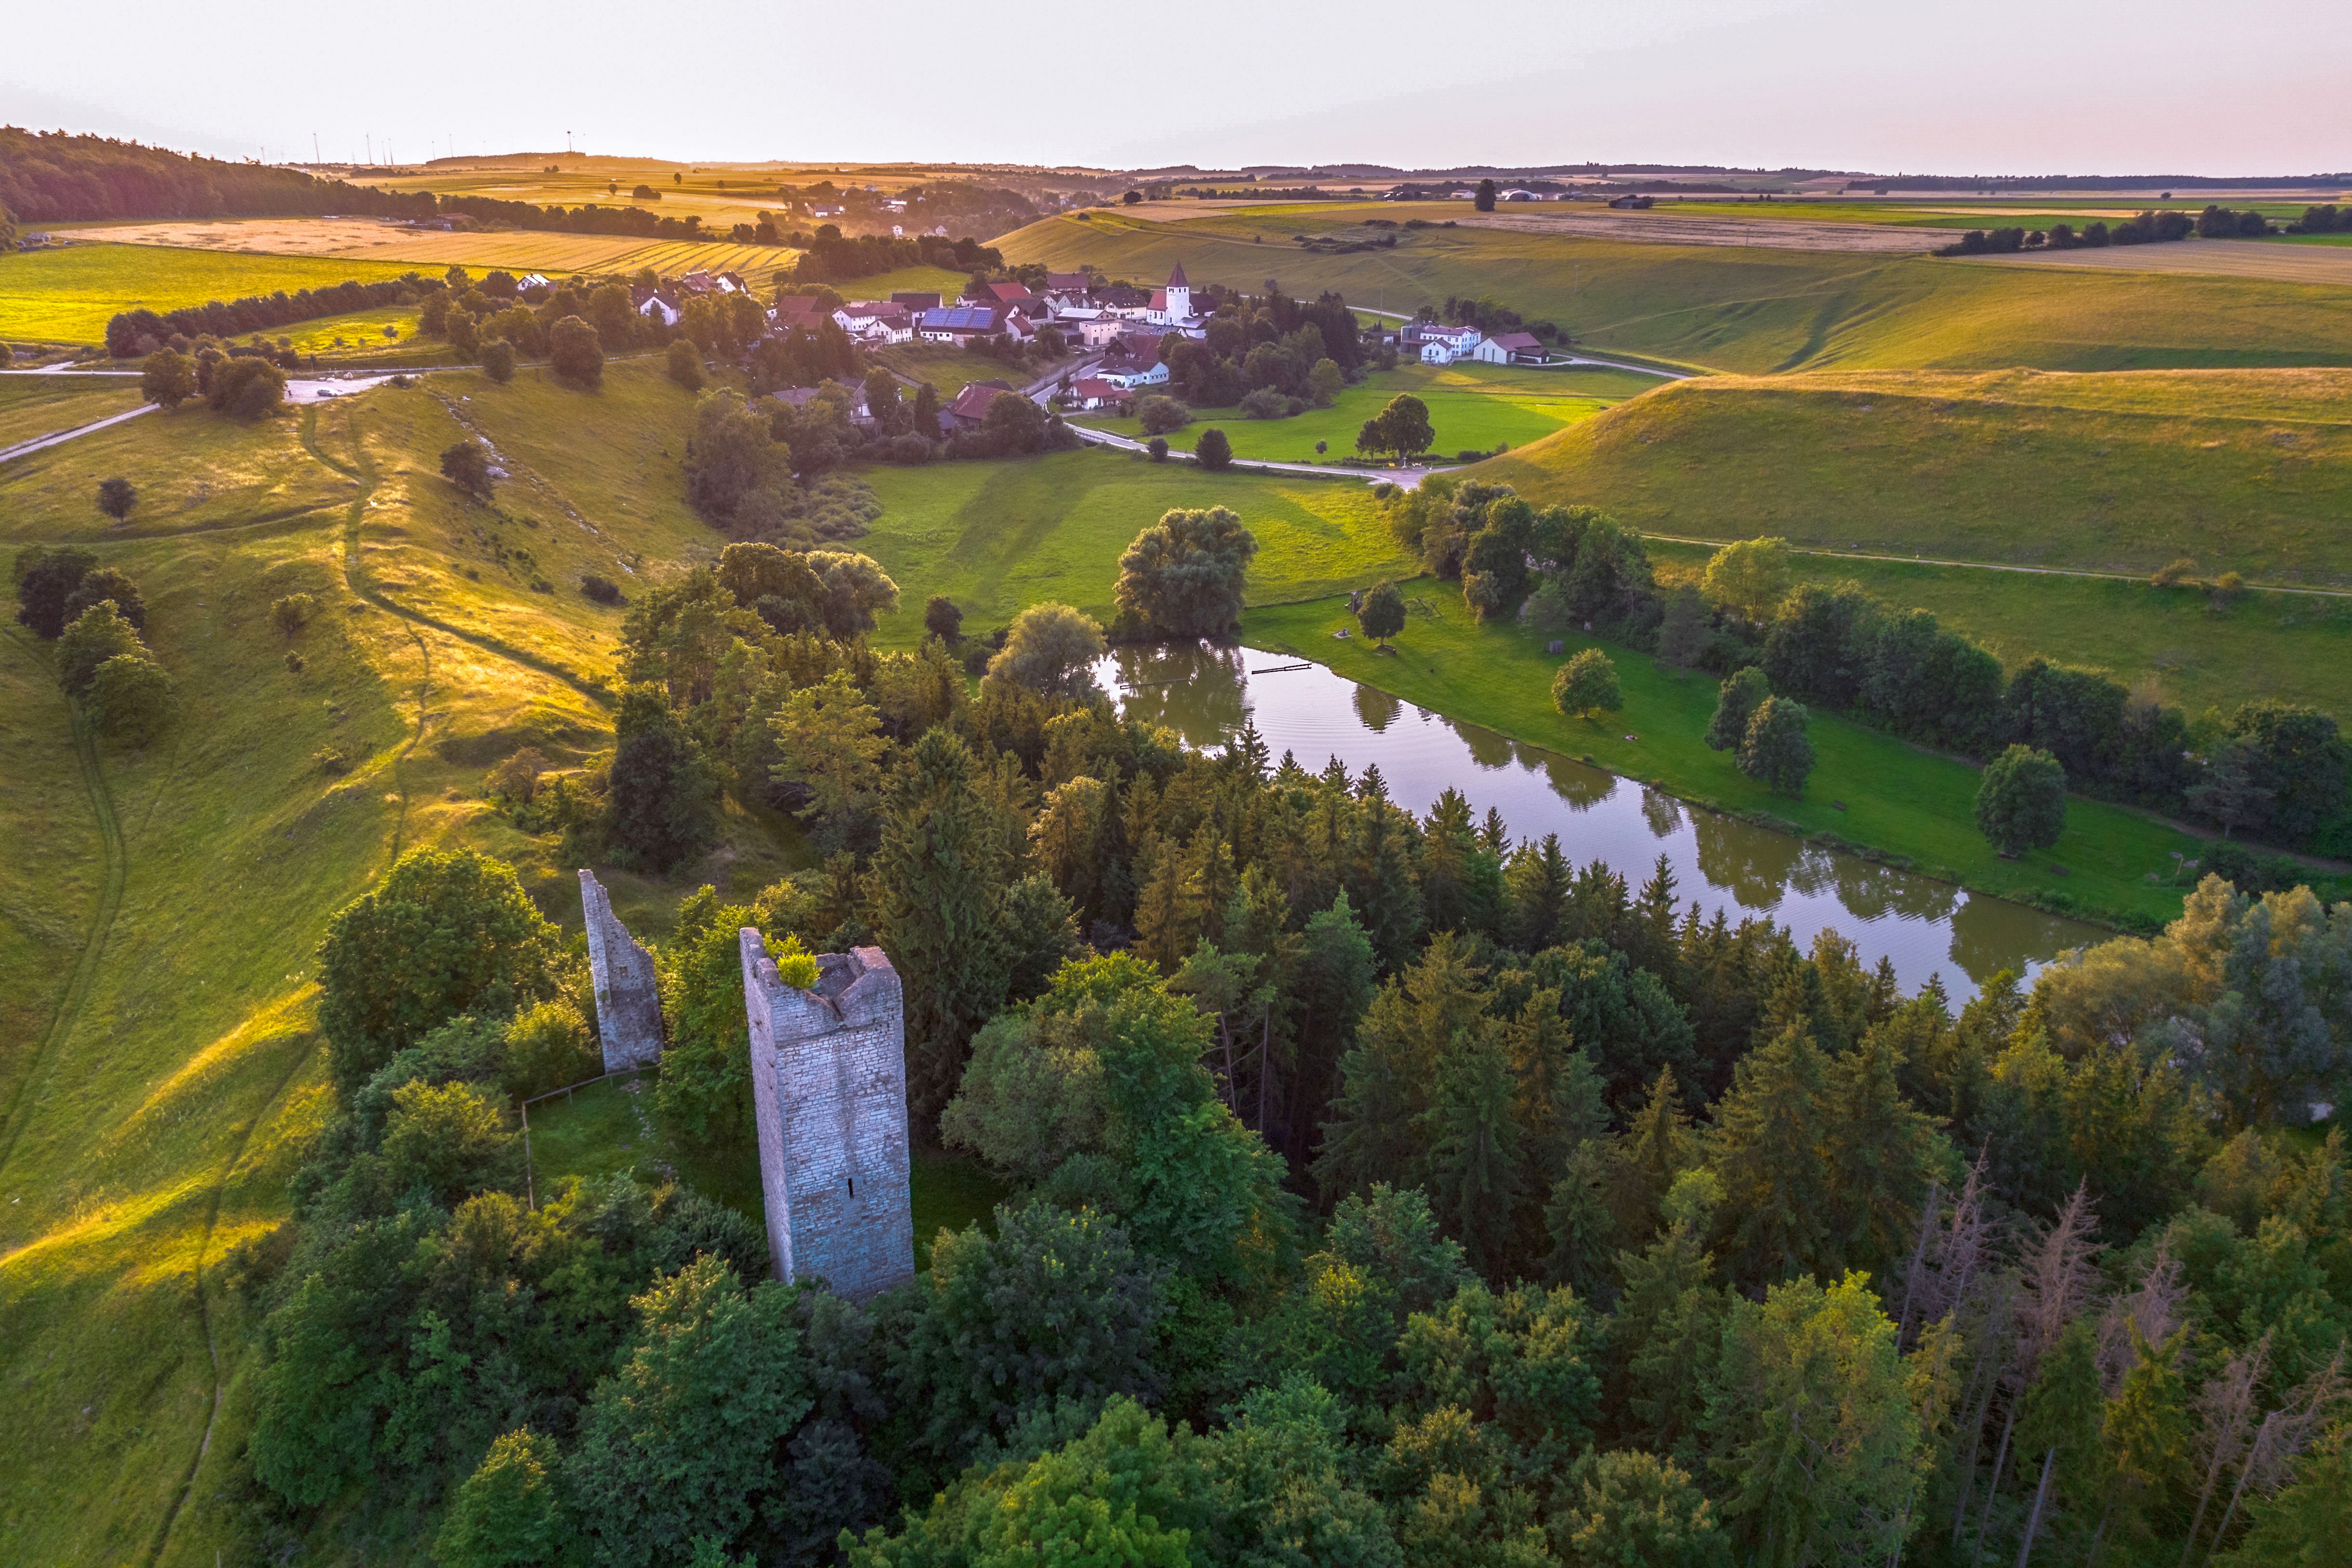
[[1405, 478], [41, 443]]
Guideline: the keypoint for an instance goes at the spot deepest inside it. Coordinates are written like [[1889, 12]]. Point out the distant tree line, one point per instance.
[[132, 332], [833, 259], [50, 176], [2329, 219], [2149, 227], [1269, 343], [2273, 770]]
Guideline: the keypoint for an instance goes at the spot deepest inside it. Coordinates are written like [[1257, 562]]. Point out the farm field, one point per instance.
[[2168, 642], [68, 294], [2250, 471], [996, 536], [160, 1074], [1898, 798], [2264, 259], [937, 280], [1472, 407], [33, 407], [1755, 311], [363, 338], [365, 239]]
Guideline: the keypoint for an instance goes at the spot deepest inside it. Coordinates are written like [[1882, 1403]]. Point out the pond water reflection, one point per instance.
[[1925, 926]]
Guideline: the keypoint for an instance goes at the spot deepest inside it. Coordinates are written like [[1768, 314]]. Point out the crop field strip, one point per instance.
[[2278, 261], [1753, 310]]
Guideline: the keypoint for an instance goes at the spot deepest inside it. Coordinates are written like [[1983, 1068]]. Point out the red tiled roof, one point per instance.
[[1519, 342], [1005, 293], [973, 401], [1176, 279]]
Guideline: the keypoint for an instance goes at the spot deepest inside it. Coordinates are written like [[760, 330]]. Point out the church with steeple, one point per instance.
[[1172, 306]]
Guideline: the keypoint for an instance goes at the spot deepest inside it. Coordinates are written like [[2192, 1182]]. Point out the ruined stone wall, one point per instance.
[[628, 996], [829, 1099]]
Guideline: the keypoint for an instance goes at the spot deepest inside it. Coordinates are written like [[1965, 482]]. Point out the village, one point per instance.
[[1104, 342]]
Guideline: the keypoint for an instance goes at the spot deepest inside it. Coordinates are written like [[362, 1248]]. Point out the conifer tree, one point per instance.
[[1538, 877], [938, 881], [1766, 1152], [1882, 1152], [1475, 1179]]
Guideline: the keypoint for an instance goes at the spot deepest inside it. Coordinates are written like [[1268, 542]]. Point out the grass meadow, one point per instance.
[[996, 536], [1899, 798], [159, 1071], [2246, 471], [1472, 406], [2171, 642], [1753, 311], [67, 294], [32, 406]]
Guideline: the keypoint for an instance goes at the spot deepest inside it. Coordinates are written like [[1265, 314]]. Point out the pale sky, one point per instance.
[[2257, 87]]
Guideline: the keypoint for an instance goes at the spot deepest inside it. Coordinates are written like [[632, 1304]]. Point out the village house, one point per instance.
[[655, 304], [970, 405], [796, 311], [1511, 348], [801, 396], [875, 323], [964, 323], [1091, 393], [1442, 345], [917, 303]]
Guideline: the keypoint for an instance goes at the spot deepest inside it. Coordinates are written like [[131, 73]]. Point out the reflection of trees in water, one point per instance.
[[1815, 872], [1662, 812], [1376, 708], [1582, 787], [1191, 688], [1752, 864], [1487, 749], [1868, 892], [1990, 934]]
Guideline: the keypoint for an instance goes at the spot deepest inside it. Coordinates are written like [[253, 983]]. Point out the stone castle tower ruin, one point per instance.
[[628, 996], [829, 1097]]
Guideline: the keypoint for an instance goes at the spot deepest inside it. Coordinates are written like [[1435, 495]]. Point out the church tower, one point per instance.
[[1179, 297]]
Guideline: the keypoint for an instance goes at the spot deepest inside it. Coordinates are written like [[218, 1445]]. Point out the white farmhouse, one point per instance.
[[1444, 345]]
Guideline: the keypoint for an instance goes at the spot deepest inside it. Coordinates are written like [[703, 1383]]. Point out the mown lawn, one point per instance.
[[1748, 309], [1472, 407], [2169, 642], [68, 295], [950, 369], [996, 536], [1896, 798], [2244, 471]]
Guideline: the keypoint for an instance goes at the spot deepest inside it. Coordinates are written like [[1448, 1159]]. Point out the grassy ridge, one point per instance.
[[33, 406], [156, 1096], [68, 294], [2242, 470], [1472, 406], [1747, 309], [1899, 799], [996, 536], [2169, 642]]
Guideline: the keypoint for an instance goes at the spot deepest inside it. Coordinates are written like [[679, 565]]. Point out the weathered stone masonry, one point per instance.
[[829, 1098], [628, 996]]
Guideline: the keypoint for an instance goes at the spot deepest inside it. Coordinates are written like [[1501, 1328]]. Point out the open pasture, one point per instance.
[[1472, 406], [33, 407], [1754, 311], [996, 536], [2244, 470], [2172, 643], [70, 293], [2324, 264]]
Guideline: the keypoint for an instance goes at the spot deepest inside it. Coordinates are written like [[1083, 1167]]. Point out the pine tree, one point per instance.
[[1881, 1153], [1476, 1181], [938, 880], [1538, 877], [1767, 1152], [1329, 990]]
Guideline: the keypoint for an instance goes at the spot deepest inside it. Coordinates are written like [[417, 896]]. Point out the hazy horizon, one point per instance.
[[2091, 87]]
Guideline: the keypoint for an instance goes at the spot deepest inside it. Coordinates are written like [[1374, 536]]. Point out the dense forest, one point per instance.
[[51, 177], [1385, 1189]]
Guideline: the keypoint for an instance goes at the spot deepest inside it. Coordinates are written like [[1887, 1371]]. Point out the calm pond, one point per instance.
[[1925, 927]]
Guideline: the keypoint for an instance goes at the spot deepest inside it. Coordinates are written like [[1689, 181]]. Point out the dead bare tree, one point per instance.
[[2285, 1433], [2056, 1282]]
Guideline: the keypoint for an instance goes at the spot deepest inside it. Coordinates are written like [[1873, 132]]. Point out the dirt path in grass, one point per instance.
[[1992, 566], [102, 926]]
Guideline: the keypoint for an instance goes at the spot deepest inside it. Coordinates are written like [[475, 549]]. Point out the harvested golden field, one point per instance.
[[2215, 258], [365, 239]]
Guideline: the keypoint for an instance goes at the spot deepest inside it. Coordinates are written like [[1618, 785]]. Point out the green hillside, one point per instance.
[[2244, 471], [157, 1069], [1754, 311]]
